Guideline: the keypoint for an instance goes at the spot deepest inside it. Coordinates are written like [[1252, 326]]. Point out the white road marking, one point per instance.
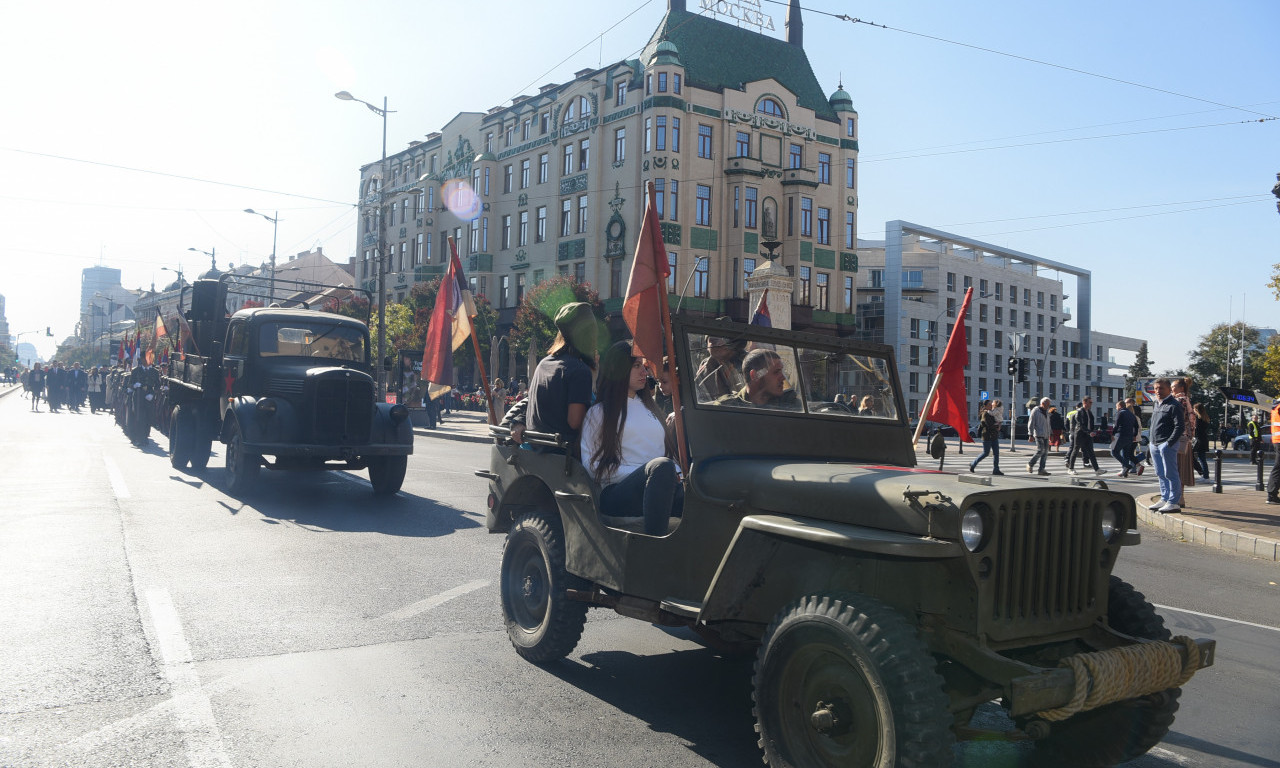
[[1170, 755], [1219, 618], [422, 606], [192, 709], [118, 485]]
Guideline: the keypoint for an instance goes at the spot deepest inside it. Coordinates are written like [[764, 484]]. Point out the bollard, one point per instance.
[[1217, 471], [1262, 460]]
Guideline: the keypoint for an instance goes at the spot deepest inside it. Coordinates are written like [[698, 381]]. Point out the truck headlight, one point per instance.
[[399, 413], [266, 407], [972, 530], [1111, 521]]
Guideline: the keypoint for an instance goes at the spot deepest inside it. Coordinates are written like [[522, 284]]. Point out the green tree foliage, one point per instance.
[[536, 314], [1274, 282], [1221, 348], [1140, 369], [1271, 367]]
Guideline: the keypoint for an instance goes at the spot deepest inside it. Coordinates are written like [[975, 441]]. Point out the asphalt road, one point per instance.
[[152, 620]]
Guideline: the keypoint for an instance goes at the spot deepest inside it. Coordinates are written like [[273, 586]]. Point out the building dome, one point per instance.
[[665, 53], [841, 101], [212, 274]]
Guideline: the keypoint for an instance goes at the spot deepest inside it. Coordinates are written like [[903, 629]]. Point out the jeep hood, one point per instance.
[[868, 495]]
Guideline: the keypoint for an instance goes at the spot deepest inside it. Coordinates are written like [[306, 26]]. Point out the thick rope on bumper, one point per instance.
[[1106, 677]]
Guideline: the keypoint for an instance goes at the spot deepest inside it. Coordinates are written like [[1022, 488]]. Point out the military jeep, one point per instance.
[[885, 601]]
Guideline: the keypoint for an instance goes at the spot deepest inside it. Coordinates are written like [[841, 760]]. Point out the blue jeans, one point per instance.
[[992, 447], [1165, 456], [653, 491], [1123, 453]]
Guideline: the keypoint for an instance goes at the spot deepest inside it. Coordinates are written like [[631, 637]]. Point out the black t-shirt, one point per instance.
[[557, 383]]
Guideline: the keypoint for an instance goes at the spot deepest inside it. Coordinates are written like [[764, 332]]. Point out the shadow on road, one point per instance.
[[324, 503]]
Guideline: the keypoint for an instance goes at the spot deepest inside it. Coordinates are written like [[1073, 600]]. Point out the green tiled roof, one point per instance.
[[717, 55]]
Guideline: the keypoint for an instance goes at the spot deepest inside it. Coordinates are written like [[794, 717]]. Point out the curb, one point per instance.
[[12, 388], [456, 436], [1212, 536]]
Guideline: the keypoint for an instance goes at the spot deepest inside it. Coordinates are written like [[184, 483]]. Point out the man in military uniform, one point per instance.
[[144, 384]]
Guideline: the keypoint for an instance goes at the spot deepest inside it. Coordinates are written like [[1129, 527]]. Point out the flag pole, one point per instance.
[[664, 310], [928, 402], [475, 342]]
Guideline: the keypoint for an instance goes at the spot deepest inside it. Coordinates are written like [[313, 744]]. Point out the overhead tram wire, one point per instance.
[[174, 176], [1067, 140], [852, 20]]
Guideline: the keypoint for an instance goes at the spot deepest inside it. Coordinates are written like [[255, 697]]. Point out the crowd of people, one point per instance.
[[1176, 444], [64, 387]]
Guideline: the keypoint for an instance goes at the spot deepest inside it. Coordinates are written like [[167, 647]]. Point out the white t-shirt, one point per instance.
[[643, 439]]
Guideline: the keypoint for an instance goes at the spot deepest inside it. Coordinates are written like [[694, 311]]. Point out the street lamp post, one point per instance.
[[382, 224], [275, 224]]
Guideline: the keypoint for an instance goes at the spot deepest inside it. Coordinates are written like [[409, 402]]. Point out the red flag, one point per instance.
[[951, 405], [649, 272], [762, 316], [450, 323], [120, 357]]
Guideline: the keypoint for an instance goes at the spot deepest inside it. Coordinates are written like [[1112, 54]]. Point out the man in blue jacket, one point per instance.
[[1126, 435], [1168, 422]]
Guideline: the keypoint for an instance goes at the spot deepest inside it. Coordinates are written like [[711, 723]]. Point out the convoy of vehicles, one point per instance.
[[884, 601]]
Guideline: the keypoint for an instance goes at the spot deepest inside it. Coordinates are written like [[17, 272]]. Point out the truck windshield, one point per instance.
[[744, 374], [302, 338]]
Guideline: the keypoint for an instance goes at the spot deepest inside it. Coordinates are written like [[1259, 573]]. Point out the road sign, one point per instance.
[[984, 395]]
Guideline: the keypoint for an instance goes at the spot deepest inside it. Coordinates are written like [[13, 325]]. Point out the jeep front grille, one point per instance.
[[1048, 553], [344, 411]]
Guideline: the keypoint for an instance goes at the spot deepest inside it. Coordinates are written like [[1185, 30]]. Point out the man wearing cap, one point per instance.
[[560, 390]]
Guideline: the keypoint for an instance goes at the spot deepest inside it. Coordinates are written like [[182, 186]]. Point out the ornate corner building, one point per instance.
[[731, 125]]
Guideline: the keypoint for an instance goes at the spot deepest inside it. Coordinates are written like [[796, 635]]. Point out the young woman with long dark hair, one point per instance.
[[625, 447]]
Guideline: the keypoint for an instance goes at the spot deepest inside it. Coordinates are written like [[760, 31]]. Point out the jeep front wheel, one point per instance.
[[386, 473], [542, 622], [242, 466], [1122, 731], [845, 681]]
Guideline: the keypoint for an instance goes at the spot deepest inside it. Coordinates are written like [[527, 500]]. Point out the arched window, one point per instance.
[[584, 106], [769, 106]]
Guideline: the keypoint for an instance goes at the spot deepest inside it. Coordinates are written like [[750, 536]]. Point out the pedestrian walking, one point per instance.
[[1127, 428], [1200, 443], [1186, 466], [1254, 430], [1039, 429], [1072, 443], [36, 386], [1082, 438], [1056, 425], [1168, 424], [989, 430]]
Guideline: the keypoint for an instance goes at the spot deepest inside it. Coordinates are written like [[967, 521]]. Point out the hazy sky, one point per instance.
[[1159, 185]]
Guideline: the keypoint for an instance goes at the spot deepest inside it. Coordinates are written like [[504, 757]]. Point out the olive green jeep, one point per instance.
[[887, 601]]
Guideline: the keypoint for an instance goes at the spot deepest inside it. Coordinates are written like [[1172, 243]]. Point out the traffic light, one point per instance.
[[1013, 366], [1024, 369]]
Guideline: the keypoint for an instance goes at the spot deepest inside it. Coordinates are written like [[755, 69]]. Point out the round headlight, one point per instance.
[[399, 413], [971, 530], [1110, 522], [267, 407]]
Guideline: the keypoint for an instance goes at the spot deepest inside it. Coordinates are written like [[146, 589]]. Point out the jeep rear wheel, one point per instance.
[[1122, 731], [242, 467], [542, 622], [386, 473], [845, 681]]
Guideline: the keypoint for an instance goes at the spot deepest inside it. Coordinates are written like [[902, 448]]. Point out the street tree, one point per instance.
[[422, 299], [1217, 359], [1271, 367], [1140, 369]]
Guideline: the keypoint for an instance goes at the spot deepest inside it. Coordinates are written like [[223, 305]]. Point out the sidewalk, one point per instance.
[[466, 426], [1237, 520]]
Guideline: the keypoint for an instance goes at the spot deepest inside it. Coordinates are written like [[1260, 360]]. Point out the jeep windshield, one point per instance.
[[745, 374], [313, 339]]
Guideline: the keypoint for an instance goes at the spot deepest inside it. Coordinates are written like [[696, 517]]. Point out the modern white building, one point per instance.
[[912, 286]]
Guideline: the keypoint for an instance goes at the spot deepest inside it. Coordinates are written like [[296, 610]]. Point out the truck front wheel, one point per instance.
[[542, 622], [386, 473], [242, 466], [1122, 731], [845, 681]]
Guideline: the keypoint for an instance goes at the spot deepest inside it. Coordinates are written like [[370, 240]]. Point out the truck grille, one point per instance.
[[1048, 553], [344, 411]]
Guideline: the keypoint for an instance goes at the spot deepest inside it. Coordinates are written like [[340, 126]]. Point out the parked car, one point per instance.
[[1245, 443]]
